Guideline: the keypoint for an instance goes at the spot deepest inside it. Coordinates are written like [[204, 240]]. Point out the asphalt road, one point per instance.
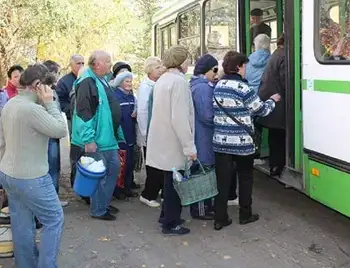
[[294, 231]]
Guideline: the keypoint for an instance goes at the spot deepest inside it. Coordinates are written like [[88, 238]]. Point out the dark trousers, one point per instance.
[[277, 147], [154, 181], [233, 187], [224, 170], [171, 207]]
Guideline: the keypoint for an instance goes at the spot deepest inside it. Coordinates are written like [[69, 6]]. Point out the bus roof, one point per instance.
[[172, 9]]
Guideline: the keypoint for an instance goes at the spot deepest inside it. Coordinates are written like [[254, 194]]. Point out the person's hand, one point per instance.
[[134, 114], [276, 97], [45, 93], [91, 148]]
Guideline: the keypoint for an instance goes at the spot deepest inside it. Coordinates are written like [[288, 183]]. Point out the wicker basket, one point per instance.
[[198, 187]]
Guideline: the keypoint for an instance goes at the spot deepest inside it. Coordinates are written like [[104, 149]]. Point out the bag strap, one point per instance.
[[244, 126]]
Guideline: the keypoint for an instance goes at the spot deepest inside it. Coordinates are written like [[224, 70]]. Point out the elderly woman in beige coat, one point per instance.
[[171, 133]]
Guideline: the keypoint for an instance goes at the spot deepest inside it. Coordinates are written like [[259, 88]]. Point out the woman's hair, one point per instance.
[[262, 41], [232, 61], [151, 63], [280, 40], [37, 72]]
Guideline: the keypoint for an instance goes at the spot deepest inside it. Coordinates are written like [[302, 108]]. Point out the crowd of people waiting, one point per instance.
[[211, 119]]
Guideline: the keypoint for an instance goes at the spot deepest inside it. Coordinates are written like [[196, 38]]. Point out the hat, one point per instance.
[[205, 64], [256, 12], [120, 78], [120, 65], [175, 56]]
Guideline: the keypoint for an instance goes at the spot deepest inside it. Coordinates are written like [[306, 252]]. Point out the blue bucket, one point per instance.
[[86, 182]]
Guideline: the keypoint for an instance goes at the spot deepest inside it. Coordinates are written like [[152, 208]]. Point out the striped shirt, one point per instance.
[[241, 102]]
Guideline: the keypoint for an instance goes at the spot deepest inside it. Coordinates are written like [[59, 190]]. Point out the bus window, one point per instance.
[[333, 30], [190, 33], [173, 38], [165, 40], [220, 27], [157, 42], [274, 35]]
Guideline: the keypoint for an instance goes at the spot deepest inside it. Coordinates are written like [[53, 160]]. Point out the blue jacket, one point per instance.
[[255, 68], [241, 102], [63, 88], [128, 123], [202, 95]]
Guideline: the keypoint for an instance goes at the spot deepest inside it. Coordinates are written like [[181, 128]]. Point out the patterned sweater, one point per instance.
[[234, 94]]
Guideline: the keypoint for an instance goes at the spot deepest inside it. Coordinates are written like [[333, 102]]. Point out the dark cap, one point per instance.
[[256, 12], [120, 65], [205, 64]]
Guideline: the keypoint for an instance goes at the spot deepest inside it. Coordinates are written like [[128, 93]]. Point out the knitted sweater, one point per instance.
[[240, 101], [25, 130]]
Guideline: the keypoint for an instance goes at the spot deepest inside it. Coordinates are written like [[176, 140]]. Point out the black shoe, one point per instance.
[[113, 210], [207, 217], [178, 230], [219, 225], [135, 186], [161, 220], [106, 217], [276, 171], [252, 218], [120, 196], [129, 193], [86, 200]]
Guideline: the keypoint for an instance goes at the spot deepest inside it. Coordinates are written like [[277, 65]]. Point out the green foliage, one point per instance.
[[35, 30]]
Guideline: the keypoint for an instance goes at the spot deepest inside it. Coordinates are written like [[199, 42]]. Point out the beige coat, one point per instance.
[[171, 134]]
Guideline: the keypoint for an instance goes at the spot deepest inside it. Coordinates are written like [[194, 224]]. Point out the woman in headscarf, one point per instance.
[[202, 87], [24, 168], [154, 177], [171, 133]]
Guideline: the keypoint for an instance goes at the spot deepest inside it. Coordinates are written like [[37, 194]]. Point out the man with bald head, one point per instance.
[[65, 85], [96, 128]]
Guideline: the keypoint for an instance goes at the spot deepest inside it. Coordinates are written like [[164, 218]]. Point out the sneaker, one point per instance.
[[233, 202], [64, 204], [178, 230], [150, 203], [105, 217]]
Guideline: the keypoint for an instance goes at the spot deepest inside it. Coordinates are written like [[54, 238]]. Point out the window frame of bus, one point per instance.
[[204, 45], [317, 37], [189, 9], [167, 27]]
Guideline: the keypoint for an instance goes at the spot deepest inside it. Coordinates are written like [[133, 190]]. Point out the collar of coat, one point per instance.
[[234, 76]]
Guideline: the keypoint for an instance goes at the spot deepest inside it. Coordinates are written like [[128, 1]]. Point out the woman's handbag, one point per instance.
[[198, 186], [122, 172]]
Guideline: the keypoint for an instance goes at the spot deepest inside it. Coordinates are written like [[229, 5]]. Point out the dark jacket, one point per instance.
[[202, 95], [97, 114], [272, 82], [127, 122], [64, 86]]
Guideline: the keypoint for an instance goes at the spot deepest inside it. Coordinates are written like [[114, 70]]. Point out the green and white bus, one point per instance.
[[317, 45]]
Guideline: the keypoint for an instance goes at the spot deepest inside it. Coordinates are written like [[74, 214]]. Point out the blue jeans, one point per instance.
[[29, 198], [54, 162], [104, 193]]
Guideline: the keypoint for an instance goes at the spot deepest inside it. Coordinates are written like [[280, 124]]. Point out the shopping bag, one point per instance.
[[122, 171]]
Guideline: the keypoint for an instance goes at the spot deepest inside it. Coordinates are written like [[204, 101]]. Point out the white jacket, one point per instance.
[[170, 138], [143, 95]]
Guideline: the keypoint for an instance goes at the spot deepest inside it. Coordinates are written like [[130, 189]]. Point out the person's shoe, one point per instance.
[[233, 202], [129, 193], [64, 203], [207, 217], [120, 196], [161, 220], [105, 217], [150, 203], [219, 225], [178, 230], [252, 218], [135, 186], [113, 210], [276, 171]]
